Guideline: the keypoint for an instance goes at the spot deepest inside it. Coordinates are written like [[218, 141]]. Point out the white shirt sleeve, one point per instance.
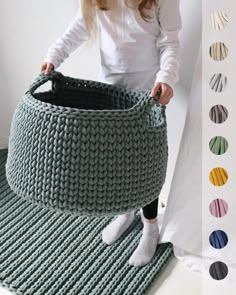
[[72, 38], [168, 42]]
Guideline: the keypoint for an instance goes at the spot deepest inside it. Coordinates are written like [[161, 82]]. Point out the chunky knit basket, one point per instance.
[[87, 148]]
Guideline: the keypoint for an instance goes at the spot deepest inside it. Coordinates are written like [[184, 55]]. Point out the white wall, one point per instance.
[[190, 37], [27, 28]]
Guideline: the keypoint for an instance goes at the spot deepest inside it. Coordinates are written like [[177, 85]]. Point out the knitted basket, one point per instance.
[[87, 148]]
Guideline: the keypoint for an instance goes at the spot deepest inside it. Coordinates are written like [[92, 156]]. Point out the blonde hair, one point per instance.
[[89, 8]]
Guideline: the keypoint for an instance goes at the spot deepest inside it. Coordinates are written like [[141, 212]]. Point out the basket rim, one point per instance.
[[135, 111]]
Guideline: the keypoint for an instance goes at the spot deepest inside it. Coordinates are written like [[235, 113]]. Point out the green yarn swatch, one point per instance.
[[53, 253], [218, 145]]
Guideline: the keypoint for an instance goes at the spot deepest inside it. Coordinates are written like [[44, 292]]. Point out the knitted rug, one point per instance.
[[51, 253]]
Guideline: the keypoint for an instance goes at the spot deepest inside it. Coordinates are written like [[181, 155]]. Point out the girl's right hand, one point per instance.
[[47, 67]]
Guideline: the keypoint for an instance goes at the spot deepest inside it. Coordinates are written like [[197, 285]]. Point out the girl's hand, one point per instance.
[[47, 67], [166, 92]]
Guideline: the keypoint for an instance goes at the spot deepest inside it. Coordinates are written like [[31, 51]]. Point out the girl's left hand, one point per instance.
[[166, 92]]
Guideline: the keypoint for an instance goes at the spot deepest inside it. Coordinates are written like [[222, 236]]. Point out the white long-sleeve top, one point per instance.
[[134, 53]]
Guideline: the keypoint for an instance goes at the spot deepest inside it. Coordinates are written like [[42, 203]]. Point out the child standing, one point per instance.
[[139, 49]]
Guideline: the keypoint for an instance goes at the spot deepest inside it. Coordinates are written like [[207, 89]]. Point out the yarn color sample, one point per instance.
[[218, 239], [218, 114], [218, 51], [218, 82], [218, 20], [218, 176], [218, 208], [218, 270], [218, 145]]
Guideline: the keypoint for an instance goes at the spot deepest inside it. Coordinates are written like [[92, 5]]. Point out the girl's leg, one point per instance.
[[112, 232], [150, 211], [150, 236]]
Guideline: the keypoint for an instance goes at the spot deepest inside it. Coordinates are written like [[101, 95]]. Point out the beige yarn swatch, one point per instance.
[[218, 51]]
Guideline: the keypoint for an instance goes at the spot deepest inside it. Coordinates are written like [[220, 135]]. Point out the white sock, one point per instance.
[[115, 229], [147, 244]]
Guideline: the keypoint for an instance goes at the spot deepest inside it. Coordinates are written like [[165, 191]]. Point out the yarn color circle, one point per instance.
[[218, 239], [218, 82], [218, 270], [218, 176], [218, 208], [218, 20], [218, 51], [218, 114], [218, 145]]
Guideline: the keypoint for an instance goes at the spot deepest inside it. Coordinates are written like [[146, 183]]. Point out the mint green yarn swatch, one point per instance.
[[52, 253], [218, 145], [87, 148]]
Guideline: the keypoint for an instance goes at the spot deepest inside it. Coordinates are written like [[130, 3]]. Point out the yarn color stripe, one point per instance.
[[218, 145], [87, 148], [218, 114], [218, 270], [218, 51], [218, 176], [218, 82], [218, 239], [53, 253], [218, 208], [218, 20]]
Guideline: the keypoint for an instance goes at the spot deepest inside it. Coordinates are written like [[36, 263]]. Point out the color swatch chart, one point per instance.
[[219, 141]]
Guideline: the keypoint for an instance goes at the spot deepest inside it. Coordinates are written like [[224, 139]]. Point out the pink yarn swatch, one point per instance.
[[218, 208]]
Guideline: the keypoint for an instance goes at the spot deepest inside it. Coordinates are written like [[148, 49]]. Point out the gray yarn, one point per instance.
[[51, 253], [218, 114], [86, 147], [218, 82]]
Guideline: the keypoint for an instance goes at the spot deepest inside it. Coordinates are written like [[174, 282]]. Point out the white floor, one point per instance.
[[175, 279]]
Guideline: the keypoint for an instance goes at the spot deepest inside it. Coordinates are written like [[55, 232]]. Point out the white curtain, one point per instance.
[[182, 220]]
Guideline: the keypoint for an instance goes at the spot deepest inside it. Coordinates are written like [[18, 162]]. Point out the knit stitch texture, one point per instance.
[[53, 253], [86, 147]]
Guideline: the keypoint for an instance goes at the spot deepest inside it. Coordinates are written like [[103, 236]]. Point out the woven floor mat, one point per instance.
[[51, 253]]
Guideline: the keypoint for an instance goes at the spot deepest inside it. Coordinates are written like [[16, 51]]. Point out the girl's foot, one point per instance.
[[147, 245], [115, 229]]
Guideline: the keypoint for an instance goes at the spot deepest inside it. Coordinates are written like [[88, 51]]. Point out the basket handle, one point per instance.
[[150, 101], [156, 97], [42, 79]]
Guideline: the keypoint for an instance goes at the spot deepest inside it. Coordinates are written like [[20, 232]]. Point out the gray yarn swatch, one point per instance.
[[218, 114], [218, 270], [218, 82]]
